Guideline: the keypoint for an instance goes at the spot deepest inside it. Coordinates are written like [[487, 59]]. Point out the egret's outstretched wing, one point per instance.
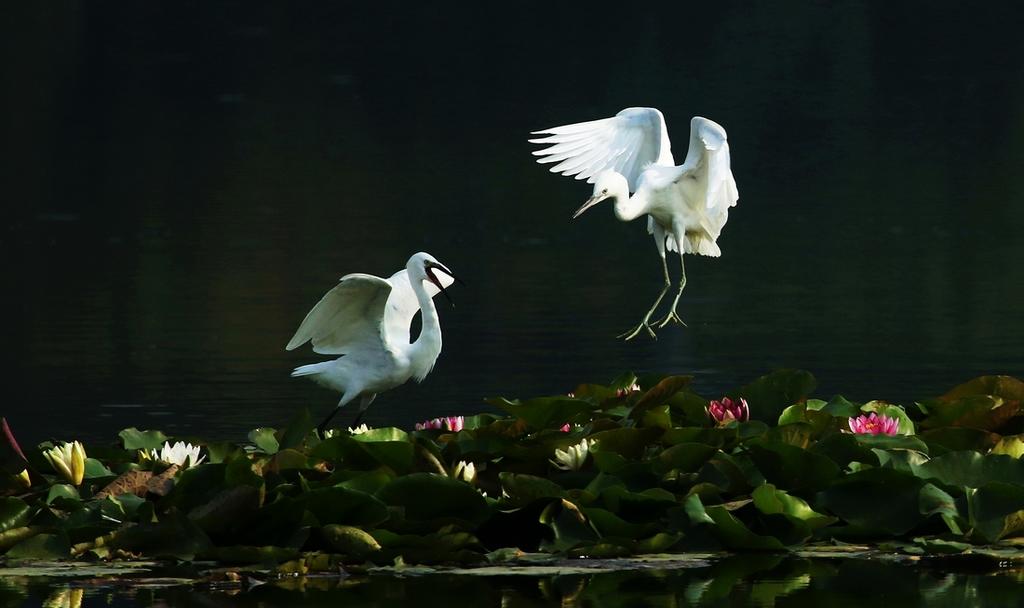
[[708, 139], [348, 317], [402, 305], [626, 143]]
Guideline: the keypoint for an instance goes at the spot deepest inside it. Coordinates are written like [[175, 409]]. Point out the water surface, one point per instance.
[[185, 183]]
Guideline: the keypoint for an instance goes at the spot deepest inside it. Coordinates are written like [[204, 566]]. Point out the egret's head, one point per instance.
[[608, 184], [424, 267]]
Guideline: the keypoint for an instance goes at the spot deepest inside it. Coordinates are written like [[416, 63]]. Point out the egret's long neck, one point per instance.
[[424, 351], [628, 208]]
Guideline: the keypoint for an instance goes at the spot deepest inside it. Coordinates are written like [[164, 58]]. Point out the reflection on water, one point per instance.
[[186, 184], [750, 580]]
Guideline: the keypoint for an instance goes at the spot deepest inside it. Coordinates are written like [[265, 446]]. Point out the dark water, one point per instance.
[[184, 181], [754, 581]]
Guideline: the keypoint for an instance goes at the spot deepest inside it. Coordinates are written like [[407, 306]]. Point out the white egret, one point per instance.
[[366, 319], [686, 205]]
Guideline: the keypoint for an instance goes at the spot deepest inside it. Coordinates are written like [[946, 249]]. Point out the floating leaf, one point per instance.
[[130, 482], [1011, 445], [770, 500], [14, 513], [425, 496], [954, 439], [660, 393], [339, 505], [523, 489], [790, 467], [265, 439], [685, 457], [351, 541], [997, 510], [41, 547], [971, 469], [857, 499], [134, 439], [735, 535], [545, 412], [297, 430], [770, 394]]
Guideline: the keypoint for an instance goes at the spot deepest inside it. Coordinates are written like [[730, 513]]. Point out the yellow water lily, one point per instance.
[[466, 471], [69, 460], [572, 459]]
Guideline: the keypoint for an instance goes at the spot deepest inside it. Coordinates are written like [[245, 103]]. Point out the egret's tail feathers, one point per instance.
[[312, 369], [702, 244]]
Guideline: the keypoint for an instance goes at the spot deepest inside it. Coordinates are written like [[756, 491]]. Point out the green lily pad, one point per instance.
[[134, 439], [14, 513], [41, 547], [686, 457], [545, 412], [770, 500], [858, 499], [791, 468], [997, 510], [770, 394], [265, 439], [971, 469], [1011, 445], [734, 534], [340, 505], [955, 439], [425, 496], [523, 489]]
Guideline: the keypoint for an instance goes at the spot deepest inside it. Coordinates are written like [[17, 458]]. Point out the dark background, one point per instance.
[[184, 180]]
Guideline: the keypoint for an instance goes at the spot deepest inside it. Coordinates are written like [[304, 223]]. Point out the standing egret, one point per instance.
[[686, 205], [366, 319]]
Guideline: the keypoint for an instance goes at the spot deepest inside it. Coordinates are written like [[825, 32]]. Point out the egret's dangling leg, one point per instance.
[[659, 239], [672, 314], [363, 404]]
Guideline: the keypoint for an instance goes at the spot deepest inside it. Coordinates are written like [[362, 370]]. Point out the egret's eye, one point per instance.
[[605, 191]]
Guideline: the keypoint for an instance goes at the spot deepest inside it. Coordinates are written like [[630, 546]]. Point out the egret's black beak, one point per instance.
[[430, 267], [597, 198]]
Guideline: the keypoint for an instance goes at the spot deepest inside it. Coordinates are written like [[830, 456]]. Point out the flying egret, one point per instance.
[[686, 205], [366, 319]]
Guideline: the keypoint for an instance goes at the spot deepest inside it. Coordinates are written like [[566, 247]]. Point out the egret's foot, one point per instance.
[[669, 318], [629, 335]]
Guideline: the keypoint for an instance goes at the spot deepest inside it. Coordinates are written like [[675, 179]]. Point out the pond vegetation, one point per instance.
[[640, 466]]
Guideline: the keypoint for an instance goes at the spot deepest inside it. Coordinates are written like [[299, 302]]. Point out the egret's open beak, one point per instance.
[[597, 198], [433, 279]]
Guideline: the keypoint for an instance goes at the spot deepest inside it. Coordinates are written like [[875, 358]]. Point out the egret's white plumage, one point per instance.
[[367, 319], [687, 205]]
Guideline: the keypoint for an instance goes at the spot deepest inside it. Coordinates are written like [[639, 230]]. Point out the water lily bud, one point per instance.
[[24, 479], [727, 410], [574, 457], [68, 459]]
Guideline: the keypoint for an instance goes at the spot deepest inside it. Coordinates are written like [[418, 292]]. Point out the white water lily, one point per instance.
[[183, 454], [359, 430], [573, 458], [68, 460], [466, 471]]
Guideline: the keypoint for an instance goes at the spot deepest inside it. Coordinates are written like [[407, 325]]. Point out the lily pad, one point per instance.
[[425, 496]]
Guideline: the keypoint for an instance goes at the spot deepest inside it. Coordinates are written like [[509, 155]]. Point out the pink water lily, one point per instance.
[[873, 424], [725, 411], [565, 428], [448, 423]]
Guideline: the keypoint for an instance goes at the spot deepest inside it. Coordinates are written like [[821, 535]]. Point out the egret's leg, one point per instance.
[[320, 428], [345, 398], [672, 314], [364, 403], [645, 323]]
